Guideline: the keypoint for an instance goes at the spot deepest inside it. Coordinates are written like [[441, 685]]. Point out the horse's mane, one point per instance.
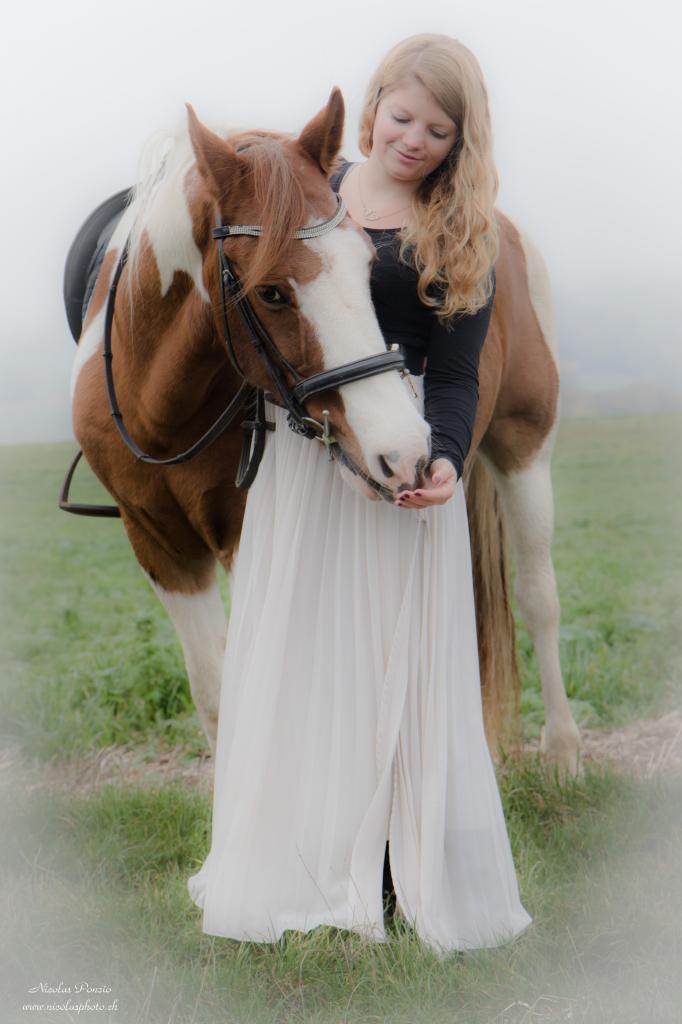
[[159, 203]]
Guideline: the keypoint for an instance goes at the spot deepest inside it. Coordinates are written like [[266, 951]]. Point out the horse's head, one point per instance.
[[311, 294]]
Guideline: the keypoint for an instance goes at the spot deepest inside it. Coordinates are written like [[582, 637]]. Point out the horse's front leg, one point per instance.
[[528, 504], [187, 588], [199, 619]]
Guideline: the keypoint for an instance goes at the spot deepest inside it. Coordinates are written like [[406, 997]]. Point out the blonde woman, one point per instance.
[[350, 720]]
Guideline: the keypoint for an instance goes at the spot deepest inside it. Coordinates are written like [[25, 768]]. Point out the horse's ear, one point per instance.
[[216, 159], [321, 138]]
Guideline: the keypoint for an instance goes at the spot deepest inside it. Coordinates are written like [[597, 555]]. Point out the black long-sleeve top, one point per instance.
[[447, 354]]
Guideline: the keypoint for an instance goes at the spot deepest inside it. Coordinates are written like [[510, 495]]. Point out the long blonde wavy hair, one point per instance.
[[454, 242]]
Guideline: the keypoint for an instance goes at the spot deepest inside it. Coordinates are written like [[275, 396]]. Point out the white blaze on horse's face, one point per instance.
[[388, 430]]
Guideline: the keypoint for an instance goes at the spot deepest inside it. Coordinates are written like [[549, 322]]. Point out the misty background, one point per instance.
[[585, 109]]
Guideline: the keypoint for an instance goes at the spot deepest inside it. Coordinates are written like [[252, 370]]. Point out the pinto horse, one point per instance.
[[173, 378]]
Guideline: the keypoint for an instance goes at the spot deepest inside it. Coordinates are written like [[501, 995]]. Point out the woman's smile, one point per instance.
[[407, 157]]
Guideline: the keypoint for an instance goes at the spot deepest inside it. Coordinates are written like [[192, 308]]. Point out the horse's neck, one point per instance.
[[170, 363]]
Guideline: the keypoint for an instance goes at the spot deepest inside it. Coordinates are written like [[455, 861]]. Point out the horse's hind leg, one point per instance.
[[528, 505]]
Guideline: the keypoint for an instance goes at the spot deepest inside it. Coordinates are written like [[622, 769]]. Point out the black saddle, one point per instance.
[[86, 255]]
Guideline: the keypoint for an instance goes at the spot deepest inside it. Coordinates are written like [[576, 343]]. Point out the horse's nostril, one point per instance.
[[385, 468]]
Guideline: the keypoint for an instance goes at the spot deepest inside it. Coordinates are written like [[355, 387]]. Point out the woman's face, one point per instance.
[[412, 133]]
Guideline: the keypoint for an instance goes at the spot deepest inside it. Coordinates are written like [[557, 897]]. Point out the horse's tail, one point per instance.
[[500, 681]]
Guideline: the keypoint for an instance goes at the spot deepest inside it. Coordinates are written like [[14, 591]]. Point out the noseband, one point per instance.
[[293, 398]]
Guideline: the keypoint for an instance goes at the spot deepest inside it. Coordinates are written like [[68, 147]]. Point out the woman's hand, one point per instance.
[[438, 489]]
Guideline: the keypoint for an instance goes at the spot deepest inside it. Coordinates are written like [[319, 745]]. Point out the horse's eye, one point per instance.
[[271, 295]]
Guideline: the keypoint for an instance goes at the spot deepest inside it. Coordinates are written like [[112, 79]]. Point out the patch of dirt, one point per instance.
[[645, 748], [115, 765]]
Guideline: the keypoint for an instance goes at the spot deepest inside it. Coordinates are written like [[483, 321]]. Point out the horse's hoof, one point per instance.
[[561, 749]]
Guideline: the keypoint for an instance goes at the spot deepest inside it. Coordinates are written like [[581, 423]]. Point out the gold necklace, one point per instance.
[[368, 212]]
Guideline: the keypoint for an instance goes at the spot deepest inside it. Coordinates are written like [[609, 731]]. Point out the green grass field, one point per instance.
[[90, 659], [94, 888]]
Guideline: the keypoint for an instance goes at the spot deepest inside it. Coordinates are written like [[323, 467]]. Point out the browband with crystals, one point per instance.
[[314, 231]]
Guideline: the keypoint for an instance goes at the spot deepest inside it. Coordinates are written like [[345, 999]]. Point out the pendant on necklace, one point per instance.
[[367, 211], [370, 214]]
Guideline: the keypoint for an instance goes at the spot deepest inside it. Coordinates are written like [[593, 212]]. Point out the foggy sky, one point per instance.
[[584, 100]]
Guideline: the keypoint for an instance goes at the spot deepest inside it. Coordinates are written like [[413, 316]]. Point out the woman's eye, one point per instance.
[[270, 294], [438, 135], [401, 120]]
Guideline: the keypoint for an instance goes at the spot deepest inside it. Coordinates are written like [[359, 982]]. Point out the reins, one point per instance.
[[277, 366], [213, 432]]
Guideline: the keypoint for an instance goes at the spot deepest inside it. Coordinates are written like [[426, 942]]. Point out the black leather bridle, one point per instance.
[[292, 398]]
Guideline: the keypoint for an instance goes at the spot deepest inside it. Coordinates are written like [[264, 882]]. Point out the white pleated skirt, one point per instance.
[[350, 714]]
